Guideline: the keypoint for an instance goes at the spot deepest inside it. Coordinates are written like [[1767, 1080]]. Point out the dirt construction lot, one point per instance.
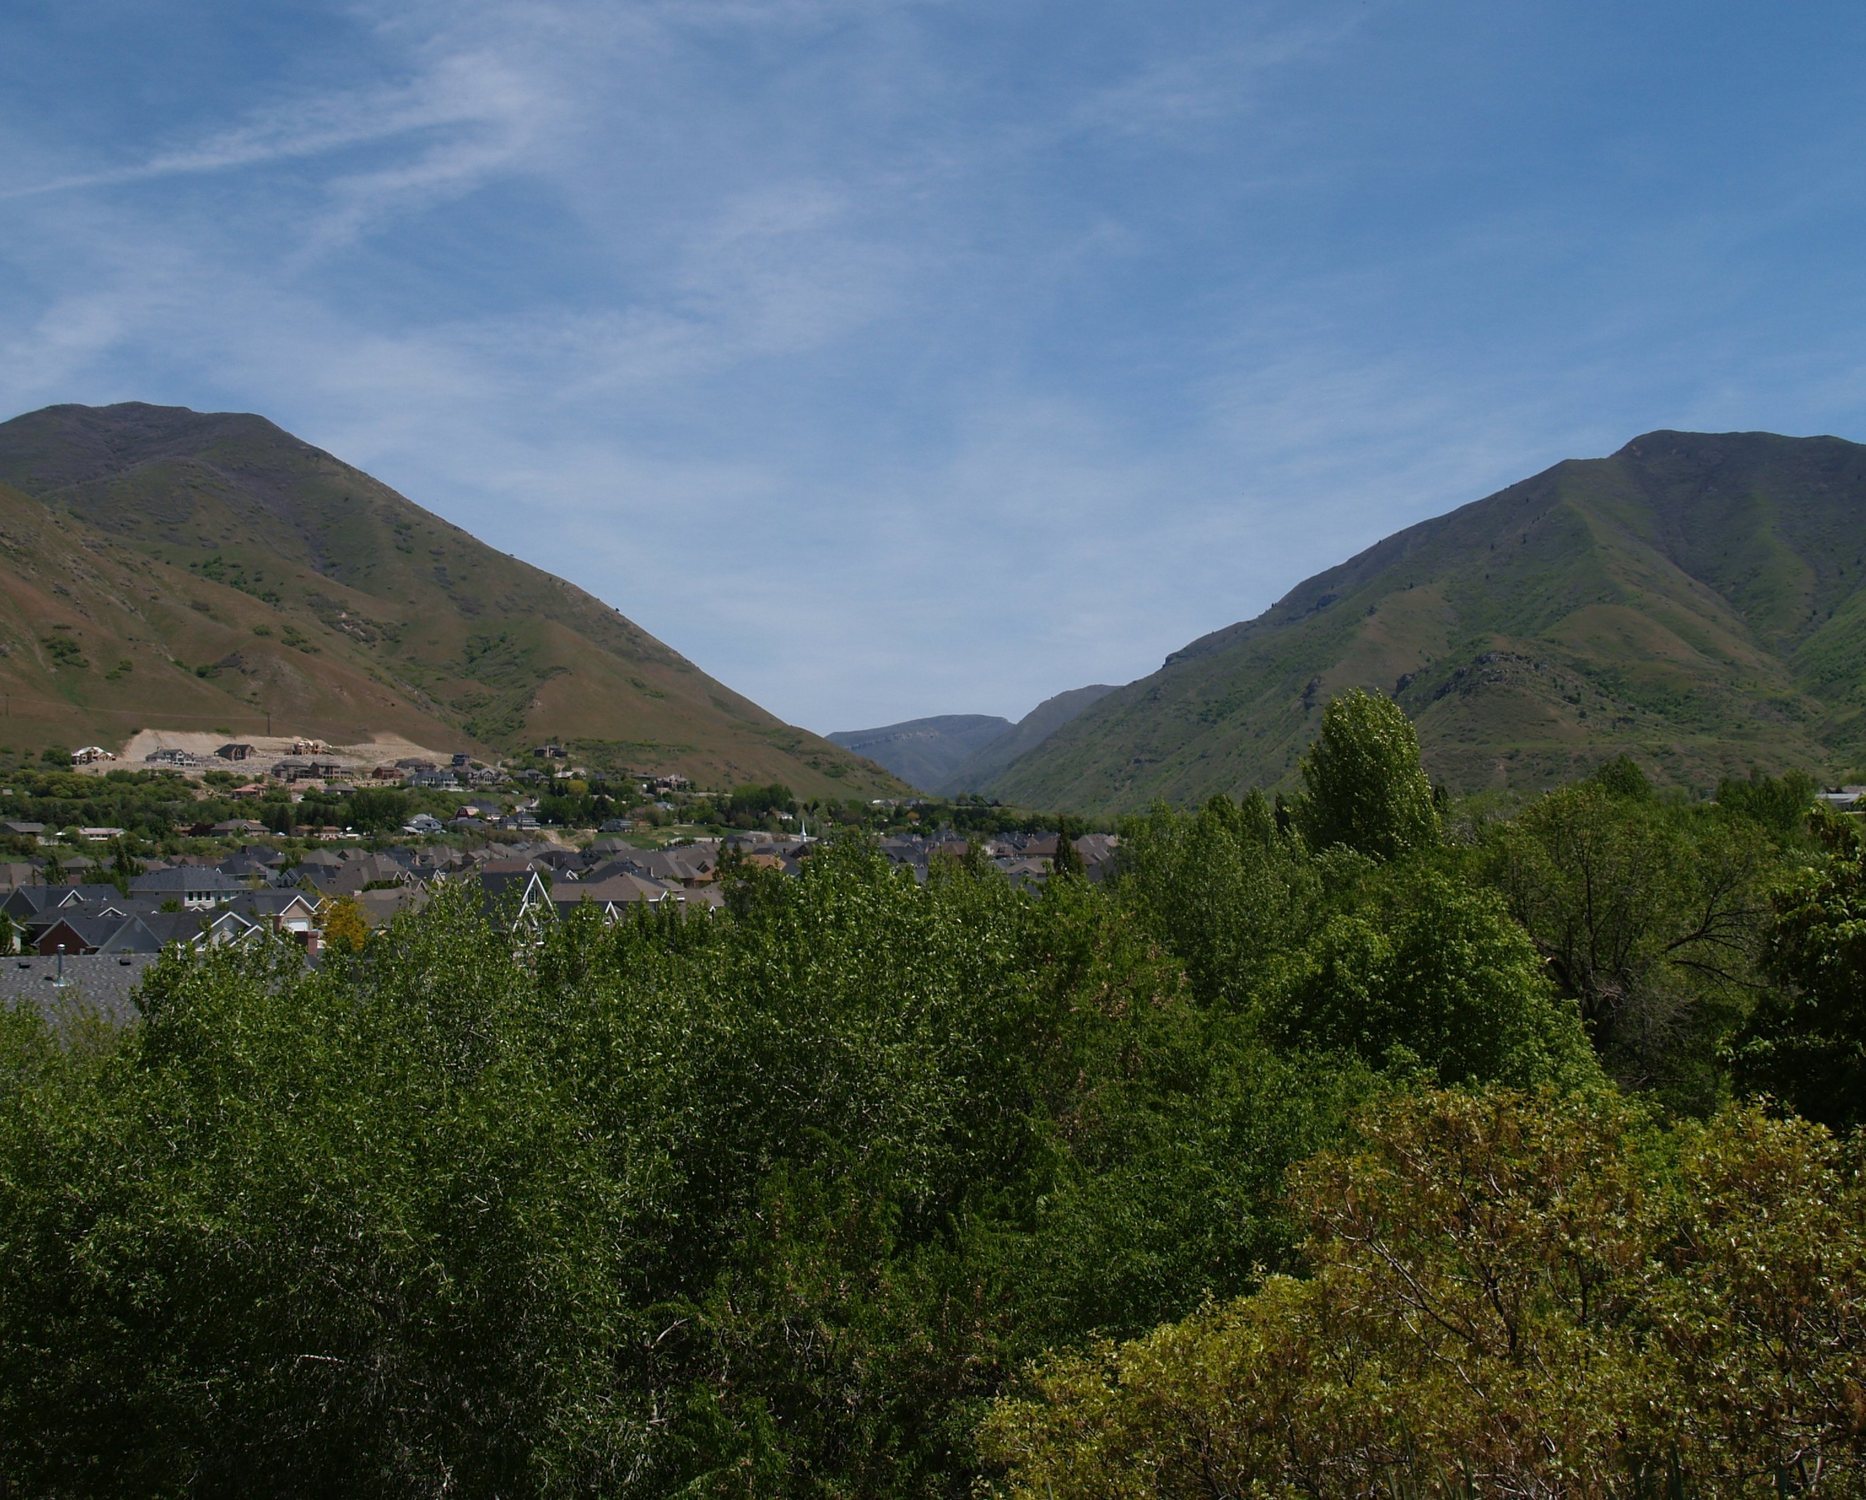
[[266, 749]]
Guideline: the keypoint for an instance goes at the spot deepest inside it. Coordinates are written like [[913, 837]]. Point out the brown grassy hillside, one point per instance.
[[168, 568]]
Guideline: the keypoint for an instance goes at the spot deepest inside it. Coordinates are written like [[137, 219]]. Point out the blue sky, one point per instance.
[[893, 358]]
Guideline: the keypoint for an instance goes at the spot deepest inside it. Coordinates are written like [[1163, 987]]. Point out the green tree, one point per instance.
[[1364, 786], [1068, 860], [345, 926], [378, 809], [1221, 889], [1806, 1043], [1432, 973], [1511, 1294], [1650, 917], [1779, 803]]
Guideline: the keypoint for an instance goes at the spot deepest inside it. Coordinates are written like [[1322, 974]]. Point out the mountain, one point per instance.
[[1694, 600], [1019, 739], [925, 752], [166, 568], [955, 753]]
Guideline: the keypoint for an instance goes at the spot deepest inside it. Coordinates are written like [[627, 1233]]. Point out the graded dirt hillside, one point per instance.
[[169, 569], [362, 758], [1694, 600]]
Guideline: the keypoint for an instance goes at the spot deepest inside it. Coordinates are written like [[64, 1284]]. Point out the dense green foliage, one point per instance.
[[1806, 1042], [785, 1199], [1363, 785], [1516, 1294], [1651, 916]]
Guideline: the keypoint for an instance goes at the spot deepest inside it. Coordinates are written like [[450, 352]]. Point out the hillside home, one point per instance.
[[83, 930], [520, 898], [195, 889], [381, 907]]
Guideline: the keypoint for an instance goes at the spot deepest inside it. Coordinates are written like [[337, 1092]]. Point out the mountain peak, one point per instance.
[[1696, 600], [178, 569]]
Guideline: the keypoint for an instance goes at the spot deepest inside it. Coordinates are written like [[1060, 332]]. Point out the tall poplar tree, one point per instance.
[[1364, 786]]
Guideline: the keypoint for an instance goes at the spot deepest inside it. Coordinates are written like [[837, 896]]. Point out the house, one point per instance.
[[610, 897], [380, 907], [195, 889], [202, 929], [169, 758], [90, 754], [25, 904], [424, 823], [292, 914], [34, 907], [77, 931], [519, 898], [237, 750]]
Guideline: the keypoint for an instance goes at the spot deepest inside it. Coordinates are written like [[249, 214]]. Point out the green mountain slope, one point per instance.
[[171, 569], [1694, 600], [1019, 739]]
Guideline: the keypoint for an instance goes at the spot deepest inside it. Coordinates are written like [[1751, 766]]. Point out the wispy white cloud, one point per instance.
[[891, 358], [469, 92]]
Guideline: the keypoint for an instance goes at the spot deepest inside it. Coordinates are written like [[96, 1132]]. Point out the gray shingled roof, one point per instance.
[[94, 984]]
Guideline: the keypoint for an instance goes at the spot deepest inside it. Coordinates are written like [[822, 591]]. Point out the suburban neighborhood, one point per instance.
[[320, 845]]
